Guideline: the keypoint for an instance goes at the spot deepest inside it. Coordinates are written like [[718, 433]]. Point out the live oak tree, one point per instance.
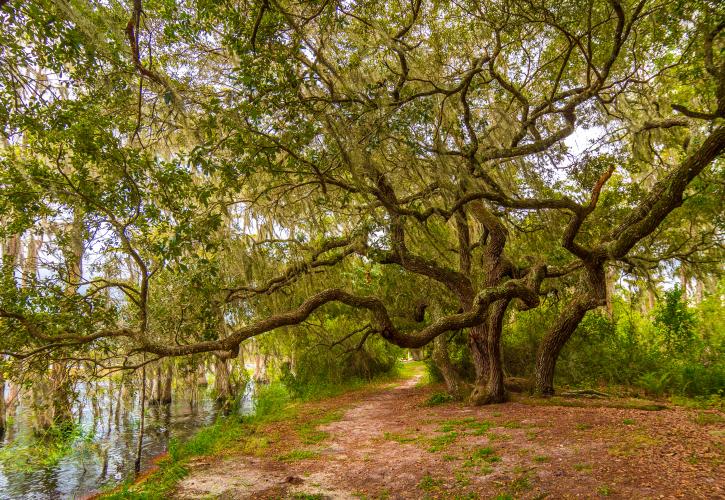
[[426, 167]]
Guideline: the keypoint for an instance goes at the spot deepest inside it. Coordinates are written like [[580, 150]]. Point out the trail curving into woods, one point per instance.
[[385, 443]]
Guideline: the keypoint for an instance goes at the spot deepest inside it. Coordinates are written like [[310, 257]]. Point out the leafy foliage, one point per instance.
[[675, 321]]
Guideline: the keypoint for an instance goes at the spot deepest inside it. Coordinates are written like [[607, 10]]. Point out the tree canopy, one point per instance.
[[214, 171]]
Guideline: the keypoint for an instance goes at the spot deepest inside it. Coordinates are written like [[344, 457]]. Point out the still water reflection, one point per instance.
[[104, 452]]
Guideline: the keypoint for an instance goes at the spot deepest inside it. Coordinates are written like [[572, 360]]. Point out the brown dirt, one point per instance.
[[388, 444]]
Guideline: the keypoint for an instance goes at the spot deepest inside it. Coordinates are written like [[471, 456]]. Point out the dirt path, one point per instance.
[[388, 444]]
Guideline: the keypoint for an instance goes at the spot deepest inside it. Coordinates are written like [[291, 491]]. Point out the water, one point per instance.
[[105, 450]]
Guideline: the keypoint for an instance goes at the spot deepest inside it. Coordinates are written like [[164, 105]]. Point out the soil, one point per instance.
[[386, 443]]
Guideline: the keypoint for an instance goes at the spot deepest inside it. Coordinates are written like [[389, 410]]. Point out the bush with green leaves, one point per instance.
[[323, 358], [674, 349], [675, 322]]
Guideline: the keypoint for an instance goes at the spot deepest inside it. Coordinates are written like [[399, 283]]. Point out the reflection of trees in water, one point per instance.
[[105, 414]]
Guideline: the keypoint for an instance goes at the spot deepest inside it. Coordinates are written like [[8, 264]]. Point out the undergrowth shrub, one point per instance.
[[674, 349], [270, 399], [321, 369]]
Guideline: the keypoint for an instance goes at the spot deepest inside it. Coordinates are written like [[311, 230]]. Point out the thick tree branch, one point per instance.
[[664, 197]]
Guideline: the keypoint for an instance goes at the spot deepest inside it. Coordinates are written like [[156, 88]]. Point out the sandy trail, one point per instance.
[[389, 445]]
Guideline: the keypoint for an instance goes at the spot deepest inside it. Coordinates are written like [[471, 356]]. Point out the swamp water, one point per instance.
[[102, 449]]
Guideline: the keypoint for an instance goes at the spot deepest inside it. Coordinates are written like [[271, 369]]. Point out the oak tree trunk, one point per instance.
[[454, 383], [684, 281], [592, 295], [553, 342], [156, 393], [222, 383], [2, 404], [168, 380], [611, 277], [62, 393], [489, 386]]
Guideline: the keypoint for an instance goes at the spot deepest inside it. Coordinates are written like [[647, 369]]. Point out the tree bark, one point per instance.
[[699, 289], [168, 381], [222, 383], [30, 266], [486, 339], [651, 298], [142, 420], [489, 387], [62, 393], [552, 344], [454, 383], [10, 257], [2, 404], [593, 294], [416, 354], [62, 390], [610, 276], [476, 341], [156, 386], [42, 412], [260, 369], [684, 281], [201, 379]]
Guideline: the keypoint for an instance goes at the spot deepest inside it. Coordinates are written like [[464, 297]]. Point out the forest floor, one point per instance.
[[387, 443]]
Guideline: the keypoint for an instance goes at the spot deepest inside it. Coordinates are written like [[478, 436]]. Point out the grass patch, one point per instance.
[[429, 483], [481, 456], [604, 490], [439, 442], [631, 444], [310, 435], [271, 402], [714, 401], [255, 445], [458, 422], [582, 467], [481, 428], [462, 479], [297, 455], [399, 438], [628, 421], [313, 390], [707, 418], [478, 428], [329, 417], [493, 436], [520, 484], [410, 369], [438, 398], [308, 432], [541, 459], [516, 488], [622, 404]]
